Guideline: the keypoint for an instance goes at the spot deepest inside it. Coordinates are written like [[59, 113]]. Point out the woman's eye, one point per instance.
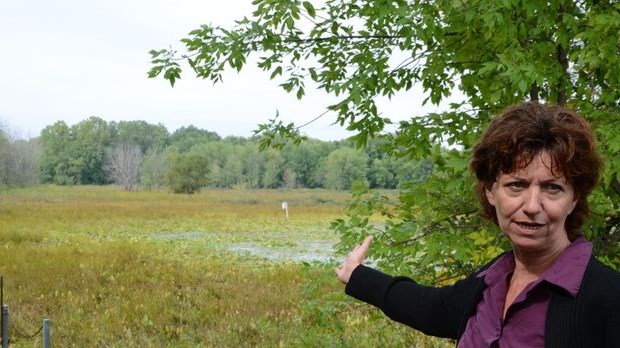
[[515, 185], [553, 188]]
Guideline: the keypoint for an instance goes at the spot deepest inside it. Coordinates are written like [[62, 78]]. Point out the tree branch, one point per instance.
[[431, 227]]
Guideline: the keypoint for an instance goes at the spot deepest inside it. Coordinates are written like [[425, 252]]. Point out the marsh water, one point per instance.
[[304, 251], [274, 248]]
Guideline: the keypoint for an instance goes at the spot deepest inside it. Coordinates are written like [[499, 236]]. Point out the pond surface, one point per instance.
[[303, 251], [179, 235], [276, 247]]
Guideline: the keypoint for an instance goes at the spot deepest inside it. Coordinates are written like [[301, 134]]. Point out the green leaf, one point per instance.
[[309, 8], [155, 71], [277, 71]]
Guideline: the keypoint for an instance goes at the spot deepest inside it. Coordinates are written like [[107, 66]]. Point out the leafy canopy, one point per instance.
[[495, 53]]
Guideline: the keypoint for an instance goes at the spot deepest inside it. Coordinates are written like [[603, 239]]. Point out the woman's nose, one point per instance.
[[532, 201]]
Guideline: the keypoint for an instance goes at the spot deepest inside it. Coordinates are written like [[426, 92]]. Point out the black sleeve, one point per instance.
[[434, 311], [609, 283]]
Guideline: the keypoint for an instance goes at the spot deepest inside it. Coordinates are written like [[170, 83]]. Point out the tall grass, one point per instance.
[[110, 269]]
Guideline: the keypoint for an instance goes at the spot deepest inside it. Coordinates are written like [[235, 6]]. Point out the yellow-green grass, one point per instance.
[[153, 269]]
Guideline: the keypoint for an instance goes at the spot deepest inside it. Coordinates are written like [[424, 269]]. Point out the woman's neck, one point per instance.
[[535, 263]]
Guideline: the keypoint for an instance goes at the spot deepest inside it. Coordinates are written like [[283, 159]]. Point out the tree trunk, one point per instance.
[[534, 92], [562, 83], [562, 57]]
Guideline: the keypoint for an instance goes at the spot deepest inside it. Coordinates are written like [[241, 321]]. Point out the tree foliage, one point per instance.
[[91, 137], [494, 53], [153, 169], [76, 154], [186, 137], [147, 136], [58, 163], [187, 172], [305, 162], [343, 167]]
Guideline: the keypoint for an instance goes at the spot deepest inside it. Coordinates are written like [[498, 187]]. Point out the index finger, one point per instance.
[[366, 243]]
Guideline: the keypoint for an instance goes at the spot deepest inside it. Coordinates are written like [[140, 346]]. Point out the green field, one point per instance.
[[221, 268]]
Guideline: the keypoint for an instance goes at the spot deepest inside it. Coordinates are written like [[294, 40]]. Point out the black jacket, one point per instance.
[[592, 319]]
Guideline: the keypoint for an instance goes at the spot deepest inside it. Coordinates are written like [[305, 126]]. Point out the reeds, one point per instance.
[[153, 269]]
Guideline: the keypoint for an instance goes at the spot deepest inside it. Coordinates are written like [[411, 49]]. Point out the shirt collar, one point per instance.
[[566, 272]]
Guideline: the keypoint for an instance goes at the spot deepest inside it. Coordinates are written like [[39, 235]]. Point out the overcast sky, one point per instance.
[[71, 59]]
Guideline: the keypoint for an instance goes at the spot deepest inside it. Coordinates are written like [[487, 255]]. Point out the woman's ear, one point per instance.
[[573, 205], [490, 195]]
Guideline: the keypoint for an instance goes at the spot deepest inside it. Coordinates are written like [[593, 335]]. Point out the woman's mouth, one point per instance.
[[533, 226]]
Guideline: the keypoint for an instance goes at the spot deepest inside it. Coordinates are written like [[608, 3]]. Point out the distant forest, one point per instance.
[[136, 154]]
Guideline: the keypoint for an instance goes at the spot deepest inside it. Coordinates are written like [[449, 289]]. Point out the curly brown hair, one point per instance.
[[523, 131]]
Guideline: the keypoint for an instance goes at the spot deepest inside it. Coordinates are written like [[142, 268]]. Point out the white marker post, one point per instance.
[[285, 207]]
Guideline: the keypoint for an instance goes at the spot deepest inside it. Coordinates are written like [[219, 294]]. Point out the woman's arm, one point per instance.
[[436, 311]]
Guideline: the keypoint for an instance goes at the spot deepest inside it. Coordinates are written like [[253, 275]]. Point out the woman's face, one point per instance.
[[532, 205]]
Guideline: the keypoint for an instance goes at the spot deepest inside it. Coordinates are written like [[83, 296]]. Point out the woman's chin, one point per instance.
[[529, 241]]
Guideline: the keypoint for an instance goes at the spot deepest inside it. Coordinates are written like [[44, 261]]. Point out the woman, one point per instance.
[[535, 166]]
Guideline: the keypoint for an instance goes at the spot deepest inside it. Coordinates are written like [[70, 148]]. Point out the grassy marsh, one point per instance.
[[152, 269]]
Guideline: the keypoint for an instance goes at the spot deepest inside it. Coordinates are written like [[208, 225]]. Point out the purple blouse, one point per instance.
[[524, 324]]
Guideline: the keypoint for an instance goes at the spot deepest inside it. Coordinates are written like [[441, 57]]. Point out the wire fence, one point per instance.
[[8, 327], [22, 335]]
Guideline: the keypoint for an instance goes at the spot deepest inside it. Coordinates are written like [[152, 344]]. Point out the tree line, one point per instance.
[[139, 154]]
